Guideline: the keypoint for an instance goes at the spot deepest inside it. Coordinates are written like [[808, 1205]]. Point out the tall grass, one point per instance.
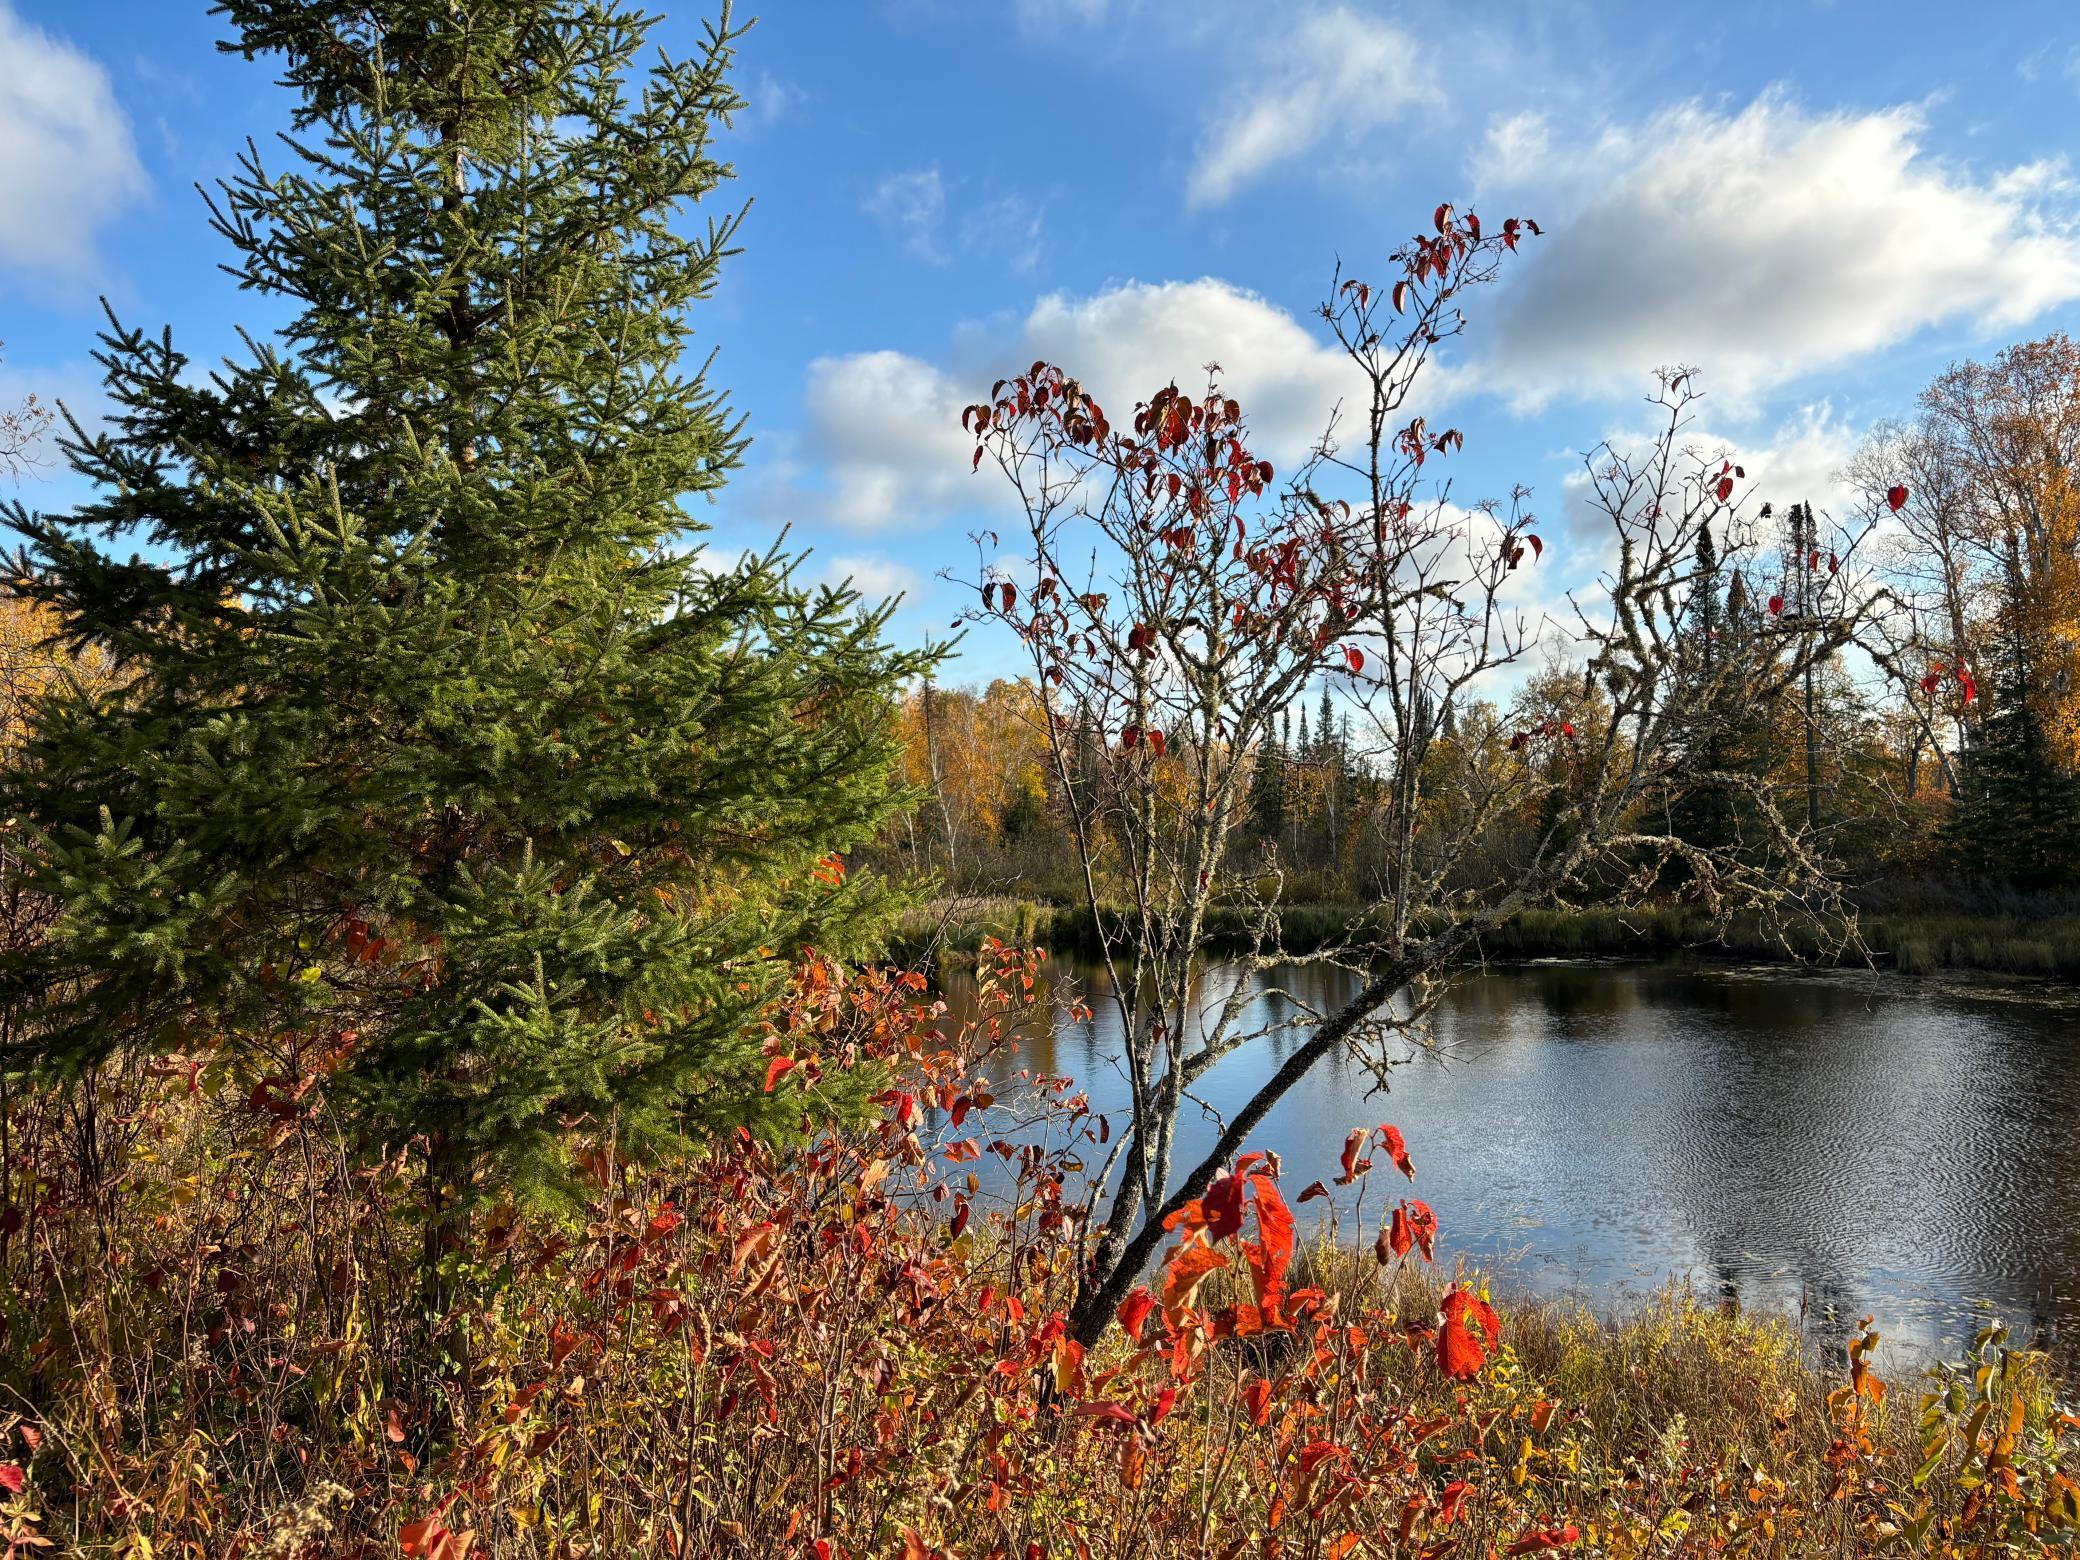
[[856, 1348]]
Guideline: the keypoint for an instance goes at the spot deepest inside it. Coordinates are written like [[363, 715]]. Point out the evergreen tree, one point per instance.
[[441, 762], [1728, 730], [1267, 789], [2017, 814]]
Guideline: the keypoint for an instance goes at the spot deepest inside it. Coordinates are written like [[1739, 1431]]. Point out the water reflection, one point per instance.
[[1818, 1144]]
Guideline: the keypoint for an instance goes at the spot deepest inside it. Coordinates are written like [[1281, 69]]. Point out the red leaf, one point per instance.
[[1354, 658], [1459, 1354], [1538, 548], [976, 464], [1129, 736], [1448, 1502], [1353, 1166], [1133, 1311], [1010, 596], [1109, 1411], [1971, 688], [1545, 1538], [1399, 1239], [1422, 1224], [1224, 1205], [1776, 605], [1158, 743], [11, 1478], [778, 1068], [1400, 297], [1272, 1252], [1725, 489], [1896, 497], [1256, 1398], [1397, 1150], [1442, 213], [1314, 1189]]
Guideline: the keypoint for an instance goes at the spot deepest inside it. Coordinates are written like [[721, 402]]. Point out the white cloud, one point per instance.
[[65, 145], [1129, 341], [1513, 152], [1796, 461], [1336, 76], [1762, 246], [770, 99], [875, 577], [884, 427], [912, 206]]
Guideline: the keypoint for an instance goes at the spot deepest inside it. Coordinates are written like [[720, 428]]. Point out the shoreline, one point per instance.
[[951, 928]]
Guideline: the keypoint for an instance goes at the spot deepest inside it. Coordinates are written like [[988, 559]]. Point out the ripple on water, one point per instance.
[[1845, 1142]]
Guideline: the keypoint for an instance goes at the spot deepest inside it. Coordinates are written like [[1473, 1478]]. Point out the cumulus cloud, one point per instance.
[[884, 427], [1761, 245], [1513, 151], [66, 145], [1127, 342], [1336, 76], [875, 577], [1796, 460]]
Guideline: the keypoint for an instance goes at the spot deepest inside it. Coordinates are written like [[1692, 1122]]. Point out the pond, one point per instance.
[[1820, 1144]]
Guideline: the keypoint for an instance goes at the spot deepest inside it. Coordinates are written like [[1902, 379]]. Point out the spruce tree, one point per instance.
[[442, 762], [2016, 819], [1728, 730]]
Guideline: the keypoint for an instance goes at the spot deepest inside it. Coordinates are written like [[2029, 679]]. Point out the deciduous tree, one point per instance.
[[1185, 595]]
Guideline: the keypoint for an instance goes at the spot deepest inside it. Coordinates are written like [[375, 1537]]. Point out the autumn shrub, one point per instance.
[[858, 1348]]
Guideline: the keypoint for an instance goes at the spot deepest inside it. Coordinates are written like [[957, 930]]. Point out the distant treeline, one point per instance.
[[1939, 772]]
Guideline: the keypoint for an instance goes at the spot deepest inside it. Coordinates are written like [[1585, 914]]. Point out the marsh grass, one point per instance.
[[1909, 942]]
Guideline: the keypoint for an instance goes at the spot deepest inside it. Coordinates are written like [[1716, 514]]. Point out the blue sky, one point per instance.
[[1816, 205]]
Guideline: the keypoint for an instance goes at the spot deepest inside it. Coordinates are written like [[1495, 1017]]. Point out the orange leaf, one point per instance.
[[1068, 1367], [1188, 1270], [1272, 1253], [754, 1242]]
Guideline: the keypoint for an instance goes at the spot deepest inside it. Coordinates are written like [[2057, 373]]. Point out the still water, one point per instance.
[[1818, 1144]]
